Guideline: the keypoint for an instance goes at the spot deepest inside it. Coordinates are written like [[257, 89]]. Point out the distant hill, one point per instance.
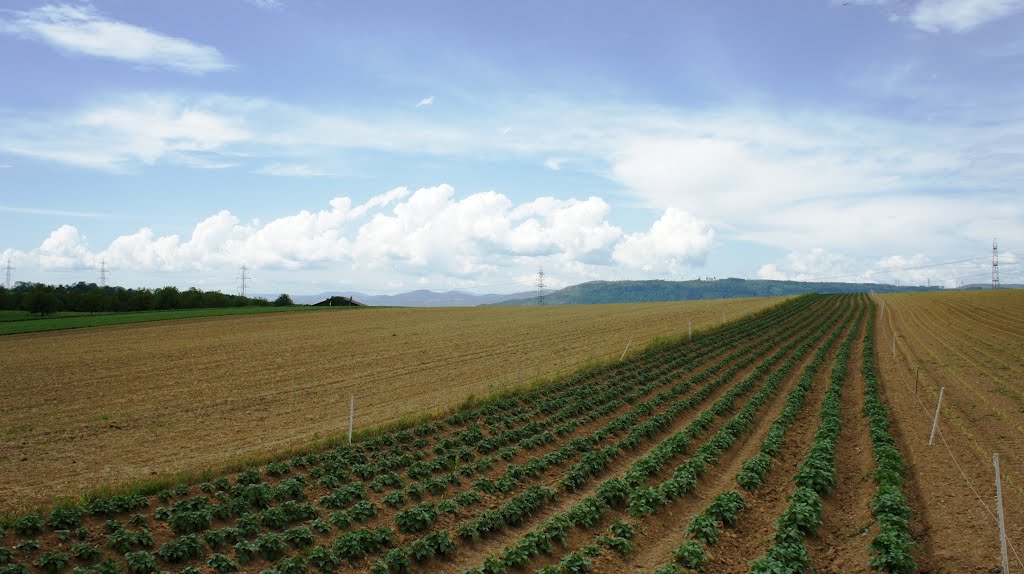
[[988, 286], [419, 298], [654, 291]]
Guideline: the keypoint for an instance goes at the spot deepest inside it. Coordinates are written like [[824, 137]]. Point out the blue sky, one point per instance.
[[389, 146]]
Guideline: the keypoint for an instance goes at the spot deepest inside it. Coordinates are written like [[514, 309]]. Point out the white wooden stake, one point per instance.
[[935, 421], [689, 327], [894, 343], [999, 507], [626, 349], [351, 417]]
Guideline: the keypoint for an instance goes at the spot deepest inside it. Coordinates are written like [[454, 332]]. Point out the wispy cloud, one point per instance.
[[293, 170], [265, 4], [54, 212], [960, 15], [425, 102], [82, 29], [119, 136], [743, 170]]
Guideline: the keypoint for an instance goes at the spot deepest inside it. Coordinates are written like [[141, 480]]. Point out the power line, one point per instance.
[[900, 269]]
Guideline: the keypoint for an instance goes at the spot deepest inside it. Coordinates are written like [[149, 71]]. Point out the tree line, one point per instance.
[[43, 299]]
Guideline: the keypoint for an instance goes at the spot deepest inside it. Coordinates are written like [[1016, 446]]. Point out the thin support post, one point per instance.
[[626, 349], [351, 417], [894, 343], [999, 507], [935, 421], [689, 328]]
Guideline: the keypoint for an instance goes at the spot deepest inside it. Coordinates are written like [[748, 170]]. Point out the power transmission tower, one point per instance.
[[103, 273], [243, 278], [7, 274], [540, 286], [995, 265]]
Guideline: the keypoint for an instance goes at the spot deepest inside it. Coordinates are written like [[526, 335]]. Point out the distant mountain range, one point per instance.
[[621, 292], [655, 290], [987, 286]]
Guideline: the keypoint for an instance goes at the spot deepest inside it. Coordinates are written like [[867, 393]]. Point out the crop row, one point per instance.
[[724, 509], [815, 478], [891, 547], [631, 493]]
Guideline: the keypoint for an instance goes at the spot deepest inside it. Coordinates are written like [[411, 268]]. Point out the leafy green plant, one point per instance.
[[323, 559], [52, 561], [27, 547], [188, 547], [321, 526], [574, 563], [396, 561], [222, 564], [340, 519], [65, 518], [86, 552], [726, 507], [108, 566], [292, 565], [691, 555], [299, 537], [140, 562], [363, 510], [189, 522], [28, 525], [270, 547], [245, 552], [395, 499], [703, 527]]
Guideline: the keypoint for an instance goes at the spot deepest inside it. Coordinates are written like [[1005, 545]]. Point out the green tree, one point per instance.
[[93, 301], [283, 301], [41, 300], [167, 298], [6, 299]]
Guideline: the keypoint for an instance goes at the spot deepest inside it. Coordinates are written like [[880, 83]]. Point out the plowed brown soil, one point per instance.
[[114, 405], [972, 344]]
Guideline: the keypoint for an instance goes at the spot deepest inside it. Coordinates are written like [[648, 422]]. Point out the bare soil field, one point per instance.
[[115, 405], [972, 344]]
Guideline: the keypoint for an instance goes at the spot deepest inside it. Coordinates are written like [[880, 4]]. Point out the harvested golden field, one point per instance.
[[972, 344], [114, 405]]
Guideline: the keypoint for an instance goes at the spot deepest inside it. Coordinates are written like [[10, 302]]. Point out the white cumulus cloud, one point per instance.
[[675, 241], [82, 29], [960, 15], [408, 235], [917, 269]]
